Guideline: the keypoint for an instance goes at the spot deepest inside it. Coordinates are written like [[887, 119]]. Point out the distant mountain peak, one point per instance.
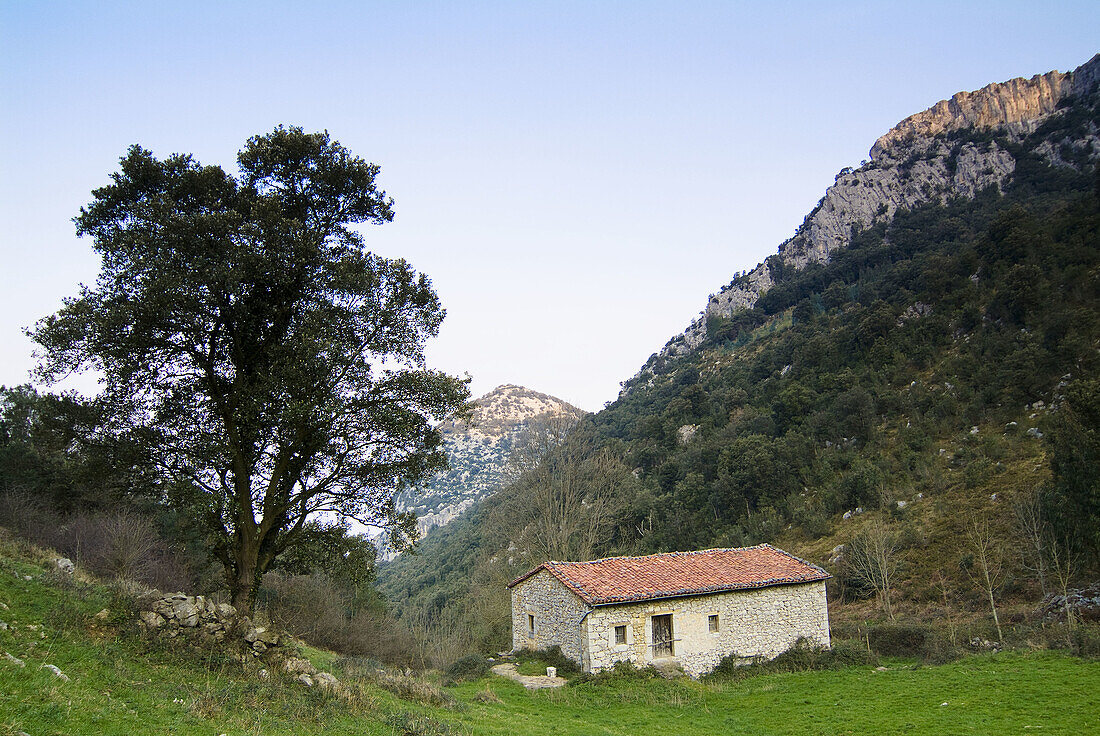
[[478, 450]]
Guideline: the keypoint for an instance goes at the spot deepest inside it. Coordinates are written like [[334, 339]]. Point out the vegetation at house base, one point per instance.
[[268, 366]]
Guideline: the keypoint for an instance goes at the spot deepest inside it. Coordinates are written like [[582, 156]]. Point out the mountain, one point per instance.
[[924, 353], [479, 451], [923, 158]]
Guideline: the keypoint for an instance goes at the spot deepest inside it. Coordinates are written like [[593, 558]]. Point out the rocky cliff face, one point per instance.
[[914, 163], [479, 452]]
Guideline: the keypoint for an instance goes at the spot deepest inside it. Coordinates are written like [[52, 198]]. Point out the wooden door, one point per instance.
[[662, 635]]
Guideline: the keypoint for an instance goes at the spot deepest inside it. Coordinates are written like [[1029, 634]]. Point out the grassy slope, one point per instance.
[[121, 686]]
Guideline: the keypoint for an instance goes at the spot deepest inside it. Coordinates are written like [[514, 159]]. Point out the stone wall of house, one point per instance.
[[751, 623], [559, 617]]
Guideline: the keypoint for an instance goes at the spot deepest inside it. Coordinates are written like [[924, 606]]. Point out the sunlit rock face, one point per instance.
[[478, 451]]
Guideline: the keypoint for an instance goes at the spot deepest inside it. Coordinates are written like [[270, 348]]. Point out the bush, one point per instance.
[[470, 667], [315, 609], [898, 640], [551, 657], [623, 670], [120, 544], [803, 656]]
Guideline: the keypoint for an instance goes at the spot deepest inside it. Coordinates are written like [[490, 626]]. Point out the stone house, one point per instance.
[[685, 608]]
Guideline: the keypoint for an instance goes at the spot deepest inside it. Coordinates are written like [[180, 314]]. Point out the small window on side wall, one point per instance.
[[530, 624], [712, 622], [620, 634]]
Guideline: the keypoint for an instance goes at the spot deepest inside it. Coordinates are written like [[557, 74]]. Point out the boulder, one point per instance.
[[325, 680], [56, 672], [305, 680], [152, 619], [65, 566], [297, 665]]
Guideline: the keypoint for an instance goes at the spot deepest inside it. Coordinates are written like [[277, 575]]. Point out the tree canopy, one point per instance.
[[272, 366]]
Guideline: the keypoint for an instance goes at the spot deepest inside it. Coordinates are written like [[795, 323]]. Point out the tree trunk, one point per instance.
[[243, 578]]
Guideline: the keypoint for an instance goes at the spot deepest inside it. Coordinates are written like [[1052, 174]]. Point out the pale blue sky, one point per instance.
[[576, 178]]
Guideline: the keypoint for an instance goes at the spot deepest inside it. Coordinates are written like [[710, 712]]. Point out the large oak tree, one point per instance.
[[272, 365]]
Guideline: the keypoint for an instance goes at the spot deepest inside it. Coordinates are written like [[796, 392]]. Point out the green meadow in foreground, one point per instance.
[[121, 685]]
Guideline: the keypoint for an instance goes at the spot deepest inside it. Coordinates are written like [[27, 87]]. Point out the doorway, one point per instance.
[[662, 635]]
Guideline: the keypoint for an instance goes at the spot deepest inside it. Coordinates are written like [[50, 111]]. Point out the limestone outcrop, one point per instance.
[[478, 451]]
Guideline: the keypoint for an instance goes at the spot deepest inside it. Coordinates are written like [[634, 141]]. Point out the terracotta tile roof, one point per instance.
[[675, 574]]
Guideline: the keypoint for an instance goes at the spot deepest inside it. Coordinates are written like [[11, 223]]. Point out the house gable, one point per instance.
[[546, 613]]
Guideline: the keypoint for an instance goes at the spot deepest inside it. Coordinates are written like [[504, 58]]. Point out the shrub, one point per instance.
[[315, 609], [804, 655], [470, 667], [898, 640], [1085, 641], [552, 657], [622, 670]]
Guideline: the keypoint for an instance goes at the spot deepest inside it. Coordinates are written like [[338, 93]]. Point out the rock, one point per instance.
[[1034, 432], [14, 660], [4, 626], [56, 672], [880, 669], [263, 674], [859, 510], [152, 619], [973, 430], [488, 696], [295, 665], [1011, 426], [186, 613], [685, 433], [325, 680], [225, 611], [305, 680], [551, 671], [902, 504], [847, 515], [260, 634], [103, 615], [65, 566]]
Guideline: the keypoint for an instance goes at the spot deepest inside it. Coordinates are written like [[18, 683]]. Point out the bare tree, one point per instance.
[[533, 442], [872, 559], [1063, 564], [572, 502], [986, 564], [940, 581], [1033, 531]]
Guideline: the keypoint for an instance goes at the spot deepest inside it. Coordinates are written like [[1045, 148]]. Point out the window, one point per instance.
[[712, 622], [620, 634], [530, 624]]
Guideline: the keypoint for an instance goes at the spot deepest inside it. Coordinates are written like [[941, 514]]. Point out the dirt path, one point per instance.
[[531, 682]]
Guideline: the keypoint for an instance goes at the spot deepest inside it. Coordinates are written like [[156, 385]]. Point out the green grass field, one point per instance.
[[122, 685]]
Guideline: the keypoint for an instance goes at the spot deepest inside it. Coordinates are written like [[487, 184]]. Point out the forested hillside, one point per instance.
[[940, 370]]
